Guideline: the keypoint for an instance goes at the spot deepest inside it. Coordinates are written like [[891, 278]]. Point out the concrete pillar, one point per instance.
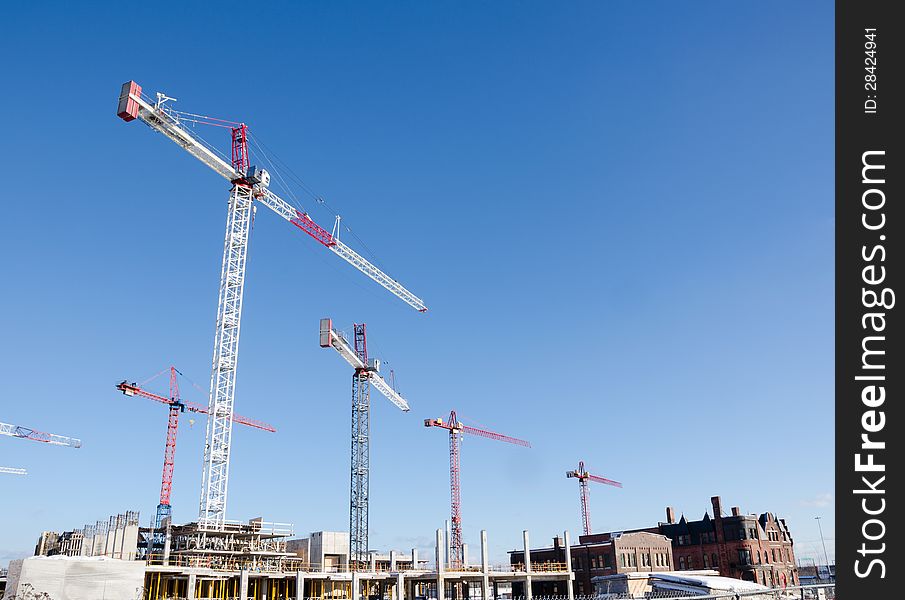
[[441, 567], [243, 584], [485, 567], [448, 539], [414, 558], [569, 582], [356, 586], [393, 561], [372, 558], [265, 585], [528, 594], [190, 588], [299, 585], [400, 588], [464, 556], [166, 547]]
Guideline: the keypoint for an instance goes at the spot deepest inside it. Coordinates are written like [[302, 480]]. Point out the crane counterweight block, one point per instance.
[[127, 109]]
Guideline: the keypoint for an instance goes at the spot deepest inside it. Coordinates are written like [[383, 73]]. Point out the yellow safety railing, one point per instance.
[[538, 567]]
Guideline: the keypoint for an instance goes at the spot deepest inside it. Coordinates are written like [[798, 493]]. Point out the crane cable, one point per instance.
[[261, 146]]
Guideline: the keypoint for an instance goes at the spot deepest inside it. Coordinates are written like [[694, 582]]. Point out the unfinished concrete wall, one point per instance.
[[76, 578]]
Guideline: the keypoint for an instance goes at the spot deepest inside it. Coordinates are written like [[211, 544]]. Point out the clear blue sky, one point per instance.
[[620, 215]]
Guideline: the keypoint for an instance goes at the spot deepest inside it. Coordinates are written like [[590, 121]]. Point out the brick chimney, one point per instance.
[[670, 514], [736, 511], [717, 506], [557, 542]]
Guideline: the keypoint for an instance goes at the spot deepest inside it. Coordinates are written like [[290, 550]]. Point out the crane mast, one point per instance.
[[585, 493], [366, 372], [248, 184], [456, 429]]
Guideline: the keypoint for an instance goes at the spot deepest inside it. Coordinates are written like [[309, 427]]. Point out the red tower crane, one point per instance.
[[177, 405], [583, 478], [456, 428]]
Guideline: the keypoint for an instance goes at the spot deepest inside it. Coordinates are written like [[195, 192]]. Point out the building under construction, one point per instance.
[[254, 562], [117, 537]]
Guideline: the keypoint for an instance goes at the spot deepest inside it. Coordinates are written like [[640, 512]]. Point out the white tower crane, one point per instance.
[[27, 433], [249, 184]]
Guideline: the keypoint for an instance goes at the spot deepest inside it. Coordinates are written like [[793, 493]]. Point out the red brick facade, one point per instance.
[[608, 554], [750, 547]]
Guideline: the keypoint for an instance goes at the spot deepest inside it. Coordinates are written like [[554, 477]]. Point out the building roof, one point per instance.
[[690, 581]]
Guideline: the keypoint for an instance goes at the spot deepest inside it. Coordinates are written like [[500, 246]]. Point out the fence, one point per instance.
[[803, 592]]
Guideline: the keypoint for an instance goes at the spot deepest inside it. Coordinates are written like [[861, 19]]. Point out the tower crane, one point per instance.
[[456, 429], [249, 184], [27, 433], [367, 372], [583, 478], [177, 405]]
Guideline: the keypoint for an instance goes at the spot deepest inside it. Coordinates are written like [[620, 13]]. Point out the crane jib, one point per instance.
[[306, 224]]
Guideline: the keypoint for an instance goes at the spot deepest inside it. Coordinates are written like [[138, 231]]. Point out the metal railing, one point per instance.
[[231, 563], [536, 567]]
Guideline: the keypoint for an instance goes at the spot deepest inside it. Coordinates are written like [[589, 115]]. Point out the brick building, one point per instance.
[[606, 554], [750, 547]]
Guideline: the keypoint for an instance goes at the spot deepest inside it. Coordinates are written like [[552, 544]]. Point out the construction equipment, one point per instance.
[[27, 433], [456, 429], [177, 405], [249, 184], [583, 478], [367, 371]]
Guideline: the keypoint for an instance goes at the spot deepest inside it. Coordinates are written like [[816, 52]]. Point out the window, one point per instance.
[[706, 561], [623, 559], [741, 533], [682, 563], [684, 540], [744, 556], [773, 552], [752, 533], [713, 561], [690, 562], [608, 560], [708, 537]]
